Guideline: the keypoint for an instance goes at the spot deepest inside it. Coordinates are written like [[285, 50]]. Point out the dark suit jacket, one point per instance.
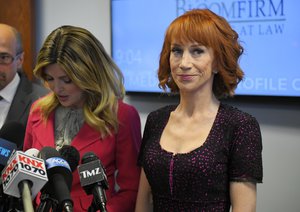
[[27, 92]]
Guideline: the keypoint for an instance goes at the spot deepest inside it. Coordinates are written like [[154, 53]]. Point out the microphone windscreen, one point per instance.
[[71, 155], [32, 152], [55, 164], [91, 172], [14, 132], [6, 149], [93, 179], [59, 175], [88, 157], [48, 152]]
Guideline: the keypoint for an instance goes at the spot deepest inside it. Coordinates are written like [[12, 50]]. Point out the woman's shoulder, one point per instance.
[[126, 111], [163, 111], [236, 116], [160, 115], [35, 109], [125, 107]]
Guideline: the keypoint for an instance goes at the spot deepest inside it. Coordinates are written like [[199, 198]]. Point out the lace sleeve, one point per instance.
[[246, 152]]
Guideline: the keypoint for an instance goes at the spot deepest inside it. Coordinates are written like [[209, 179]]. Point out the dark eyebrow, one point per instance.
[[61, 77], [198, 45], [64, 77], [175, 45], [5, 53]]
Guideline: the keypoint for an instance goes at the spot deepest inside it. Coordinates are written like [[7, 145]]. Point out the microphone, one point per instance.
[[33, 152], [11, 137], [24, 176], [13, 131], [71, 155], [93, 180], [6, 149], [59, 183]]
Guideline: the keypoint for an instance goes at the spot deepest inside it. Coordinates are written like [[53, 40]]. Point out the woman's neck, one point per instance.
[[198, 104]]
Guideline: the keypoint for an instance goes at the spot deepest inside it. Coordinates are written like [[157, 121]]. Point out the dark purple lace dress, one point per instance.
[[199, 180]]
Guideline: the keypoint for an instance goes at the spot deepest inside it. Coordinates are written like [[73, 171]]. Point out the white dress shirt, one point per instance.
[[8, 94]]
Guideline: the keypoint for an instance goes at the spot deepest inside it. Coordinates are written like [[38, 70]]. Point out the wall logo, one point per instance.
[[248, 18]]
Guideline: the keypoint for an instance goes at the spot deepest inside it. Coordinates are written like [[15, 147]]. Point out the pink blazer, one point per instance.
[[117, 153]]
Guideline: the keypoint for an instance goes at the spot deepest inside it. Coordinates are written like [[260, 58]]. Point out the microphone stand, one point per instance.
[[94, 207], [47, 203], [12, 204], [99, 200], [26, 196]]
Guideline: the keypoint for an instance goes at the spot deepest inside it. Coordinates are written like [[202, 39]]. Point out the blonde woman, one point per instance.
[[85, 110]]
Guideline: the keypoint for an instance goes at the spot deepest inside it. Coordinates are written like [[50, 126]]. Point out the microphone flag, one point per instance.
[[6, 149], [90, 173], [21, 166]]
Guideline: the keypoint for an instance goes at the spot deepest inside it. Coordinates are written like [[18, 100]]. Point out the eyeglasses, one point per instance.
[[7, 59]]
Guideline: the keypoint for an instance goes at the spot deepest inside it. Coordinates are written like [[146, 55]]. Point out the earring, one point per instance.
[[215, 71]]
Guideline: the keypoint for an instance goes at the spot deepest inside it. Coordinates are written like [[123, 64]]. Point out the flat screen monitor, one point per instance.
[[269, 31]]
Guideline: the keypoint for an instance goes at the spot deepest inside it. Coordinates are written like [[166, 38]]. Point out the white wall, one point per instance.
[[93, 15], [279, 118]]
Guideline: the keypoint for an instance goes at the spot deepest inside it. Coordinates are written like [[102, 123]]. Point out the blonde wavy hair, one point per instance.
[[87, 64]]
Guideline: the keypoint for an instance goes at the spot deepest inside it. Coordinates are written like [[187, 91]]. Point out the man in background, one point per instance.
[[17, 93]]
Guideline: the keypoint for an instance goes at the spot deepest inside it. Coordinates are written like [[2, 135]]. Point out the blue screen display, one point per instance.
[[269, 31]]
